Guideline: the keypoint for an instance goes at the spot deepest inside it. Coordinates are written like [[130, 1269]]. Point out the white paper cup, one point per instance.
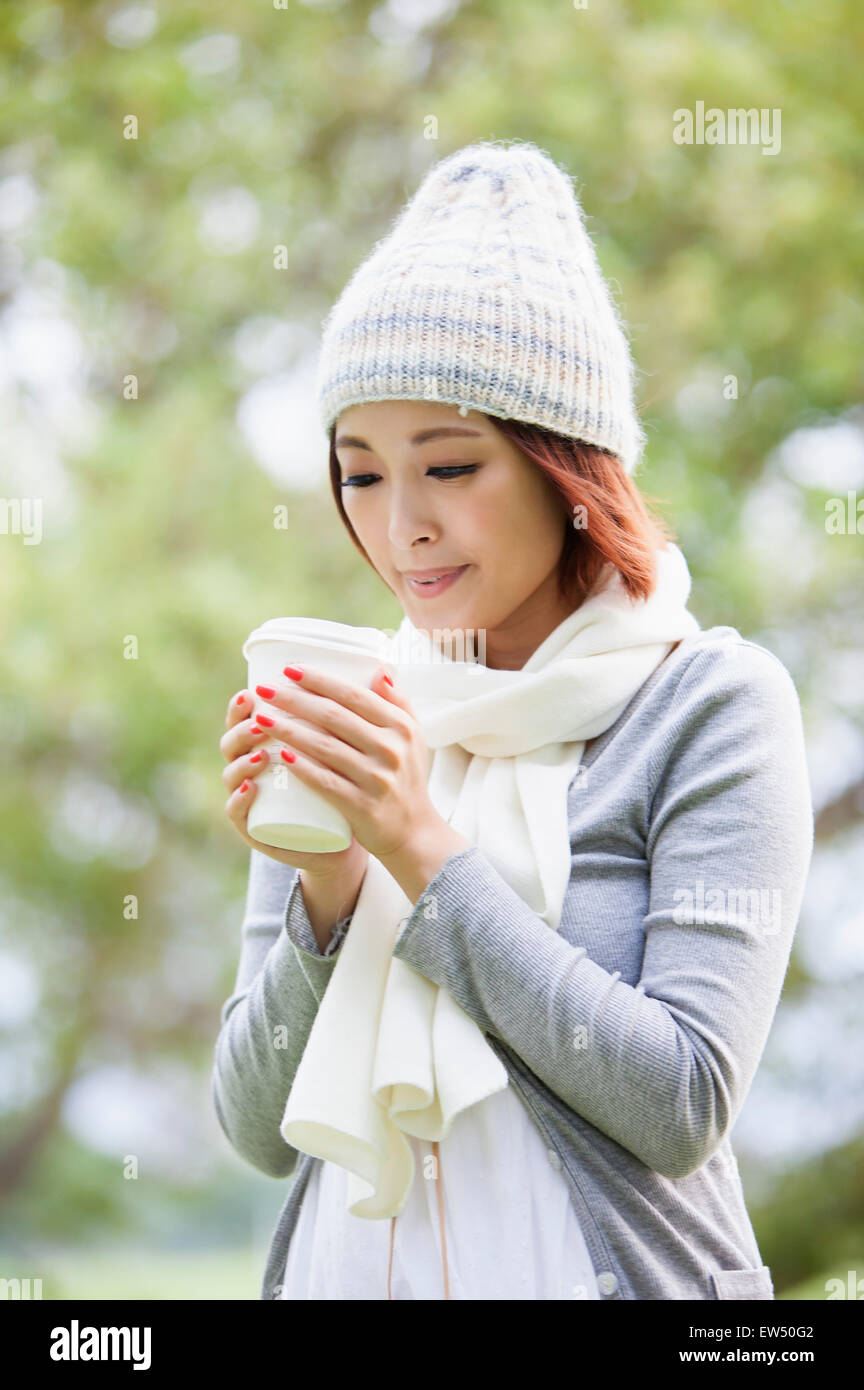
[[285, 813]]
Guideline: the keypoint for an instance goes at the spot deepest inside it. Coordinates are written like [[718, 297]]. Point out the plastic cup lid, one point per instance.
[[320, 632]]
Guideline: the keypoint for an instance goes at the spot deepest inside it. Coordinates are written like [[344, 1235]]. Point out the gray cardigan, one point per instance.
[[632, 1034]]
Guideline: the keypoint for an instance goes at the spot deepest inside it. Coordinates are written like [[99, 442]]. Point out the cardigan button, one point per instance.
[[554, 1159], [607, 1282]]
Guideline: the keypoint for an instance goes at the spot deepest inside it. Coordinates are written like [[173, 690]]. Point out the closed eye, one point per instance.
[[448, 472]]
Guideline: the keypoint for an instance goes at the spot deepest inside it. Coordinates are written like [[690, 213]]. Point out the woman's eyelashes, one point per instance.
[[450, 472]]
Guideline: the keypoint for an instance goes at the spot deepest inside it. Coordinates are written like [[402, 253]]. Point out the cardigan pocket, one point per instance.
[[743, 1283]]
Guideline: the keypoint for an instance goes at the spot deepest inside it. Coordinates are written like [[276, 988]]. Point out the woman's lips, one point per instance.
[[439, 585]]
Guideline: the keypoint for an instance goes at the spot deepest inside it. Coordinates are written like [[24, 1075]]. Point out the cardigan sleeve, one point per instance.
[[664, 1065], [267, 1019], [299, 928]]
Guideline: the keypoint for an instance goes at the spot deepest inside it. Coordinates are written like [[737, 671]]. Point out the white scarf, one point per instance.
[[390, 1053]]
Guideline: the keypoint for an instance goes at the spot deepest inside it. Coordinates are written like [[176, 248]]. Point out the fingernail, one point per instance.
[[265, 720], [265, 691], [240, 699], [288, 755], [295, 672], [244, 786], [387, 678], [254, 730], [256, 758]]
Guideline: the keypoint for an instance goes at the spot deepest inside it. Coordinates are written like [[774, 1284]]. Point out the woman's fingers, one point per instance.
[[339, 725], [323, 751], [238, 804], [246, 766], [243, 734], [341, 708], [240, 706]]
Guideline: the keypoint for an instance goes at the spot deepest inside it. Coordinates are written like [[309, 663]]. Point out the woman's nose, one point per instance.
[[407, 525]]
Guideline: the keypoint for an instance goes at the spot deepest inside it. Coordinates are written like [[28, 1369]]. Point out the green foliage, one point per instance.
[[307, 128]]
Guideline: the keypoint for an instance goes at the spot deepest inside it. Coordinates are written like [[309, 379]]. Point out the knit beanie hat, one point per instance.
[[486, 294]]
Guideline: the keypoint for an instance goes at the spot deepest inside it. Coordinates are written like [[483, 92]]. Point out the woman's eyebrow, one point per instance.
[[352, 441]]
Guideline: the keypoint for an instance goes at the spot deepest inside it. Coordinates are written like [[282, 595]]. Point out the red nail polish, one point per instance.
[[256, 758], [265, 691], [255, 730], [288, 755], [244, 787], [265, 720], [387, 678], [240, 699], [295, 672]]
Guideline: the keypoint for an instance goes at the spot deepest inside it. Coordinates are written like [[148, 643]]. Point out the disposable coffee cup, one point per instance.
[[285, 813]]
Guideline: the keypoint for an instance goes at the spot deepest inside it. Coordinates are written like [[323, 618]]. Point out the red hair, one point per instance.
[[616, 523]]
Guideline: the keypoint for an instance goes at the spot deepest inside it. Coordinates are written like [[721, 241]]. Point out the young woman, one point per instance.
[[502, 1040]]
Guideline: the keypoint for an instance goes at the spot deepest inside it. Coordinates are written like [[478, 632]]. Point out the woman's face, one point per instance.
[[491, 511]]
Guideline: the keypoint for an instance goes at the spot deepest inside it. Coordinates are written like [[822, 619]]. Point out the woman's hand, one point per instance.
[[239, 746], [362, 749]]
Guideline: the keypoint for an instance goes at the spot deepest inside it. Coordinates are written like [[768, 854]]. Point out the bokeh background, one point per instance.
[[184, 191]]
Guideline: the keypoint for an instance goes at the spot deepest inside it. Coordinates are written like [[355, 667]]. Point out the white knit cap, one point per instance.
[[486, 294]]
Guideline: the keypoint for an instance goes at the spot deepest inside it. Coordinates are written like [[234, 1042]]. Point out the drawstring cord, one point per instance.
[[441, 1229], [441, 1222]]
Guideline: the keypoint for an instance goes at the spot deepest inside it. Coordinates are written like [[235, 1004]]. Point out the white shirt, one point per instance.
[[509, 1224]]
